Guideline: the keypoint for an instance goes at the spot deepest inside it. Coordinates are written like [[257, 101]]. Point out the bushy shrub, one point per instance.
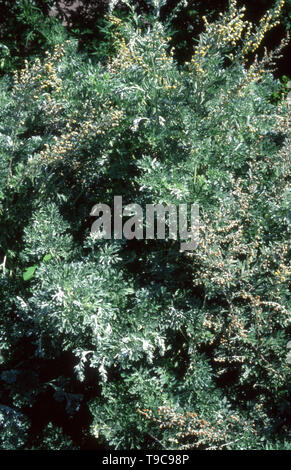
[[188, 348]]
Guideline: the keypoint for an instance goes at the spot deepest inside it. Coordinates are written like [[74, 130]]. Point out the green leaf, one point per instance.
[[29, 272]]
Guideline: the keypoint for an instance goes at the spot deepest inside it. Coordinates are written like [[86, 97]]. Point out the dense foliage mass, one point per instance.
[[133, 343]]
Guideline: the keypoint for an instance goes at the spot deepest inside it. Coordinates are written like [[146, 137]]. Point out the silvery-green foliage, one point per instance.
[[168, 349], [13, 429]]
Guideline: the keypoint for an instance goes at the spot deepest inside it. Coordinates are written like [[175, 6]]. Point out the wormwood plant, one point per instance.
[[167, 349]]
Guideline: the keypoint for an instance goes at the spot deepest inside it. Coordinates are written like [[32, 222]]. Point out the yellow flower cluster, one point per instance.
[[199, 53], [114, 20], [226, 31], [253, 75], [174, 86], [258, 68], [125, 58], [147, 52], [267, 22], [41, 77], [230, 29], [68, 143], [191, 431], [283, 273]]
